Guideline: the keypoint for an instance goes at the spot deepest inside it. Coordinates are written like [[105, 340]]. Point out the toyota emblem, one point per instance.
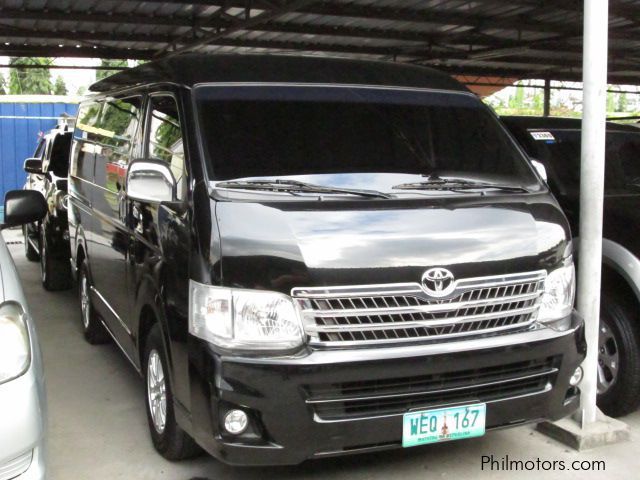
[[438, 282]]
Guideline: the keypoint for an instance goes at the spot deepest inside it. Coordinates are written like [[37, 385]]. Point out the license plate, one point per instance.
[[441, 425]]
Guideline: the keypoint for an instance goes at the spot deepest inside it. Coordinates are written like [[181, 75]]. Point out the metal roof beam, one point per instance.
[[436, 17]]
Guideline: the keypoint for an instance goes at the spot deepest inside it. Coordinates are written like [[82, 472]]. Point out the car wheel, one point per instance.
[[168, 438], [618, 358], [29, 251], [55, 273], [93, 329]]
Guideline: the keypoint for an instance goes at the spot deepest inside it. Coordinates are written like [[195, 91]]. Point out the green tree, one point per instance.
[[622, 102], [3, 85], [100, 74], [30, 80], [611, 101], [59, 88]]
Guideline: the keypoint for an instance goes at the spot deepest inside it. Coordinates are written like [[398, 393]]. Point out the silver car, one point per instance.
[[22, 396]]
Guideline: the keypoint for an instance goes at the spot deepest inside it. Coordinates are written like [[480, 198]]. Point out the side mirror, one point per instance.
[[540, 169], [33, 165], [23, 206], [150, 181]]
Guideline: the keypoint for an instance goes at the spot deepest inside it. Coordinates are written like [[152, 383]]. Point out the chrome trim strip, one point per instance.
[[317, 419], [406, 325], [113, 312], [359, 343], [345, 291], [547, 372]]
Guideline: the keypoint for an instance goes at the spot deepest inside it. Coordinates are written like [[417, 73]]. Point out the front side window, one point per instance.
[[115, 130], [354, 136], [85, 133], [164, 141]]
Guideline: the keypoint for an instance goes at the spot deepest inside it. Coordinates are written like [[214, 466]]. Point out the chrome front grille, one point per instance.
[[355, 315]]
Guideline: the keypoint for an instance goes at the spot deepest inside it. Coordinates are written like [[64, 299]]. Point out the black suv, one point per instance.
[[555, 142], [307, 257], [48, 240]]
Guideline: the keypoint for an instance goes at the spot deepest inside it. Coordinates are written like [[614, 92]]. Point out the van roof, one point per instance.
[[193, 69]]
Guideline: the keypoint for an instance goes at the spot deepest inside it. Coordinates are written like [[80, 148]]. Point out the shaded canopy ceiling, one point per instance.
[[483, 38]]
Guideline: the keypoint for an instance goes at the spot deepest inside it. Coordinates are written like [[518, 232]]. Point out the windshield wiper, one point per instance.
[[437, 183], [294, 186]]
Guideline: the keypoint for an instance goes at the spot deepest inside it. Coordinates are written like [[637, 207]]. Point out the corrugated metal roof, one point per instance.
[[516, 39]]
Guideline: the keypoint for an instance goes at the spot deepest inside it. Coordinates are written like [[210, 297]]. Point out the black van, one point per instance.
[[555, 142], [306, 257], [48, 239]]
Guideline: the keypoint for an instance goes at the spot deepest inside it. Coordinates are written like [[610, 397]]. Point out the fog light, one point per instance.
[[576, 378], [235, 422]]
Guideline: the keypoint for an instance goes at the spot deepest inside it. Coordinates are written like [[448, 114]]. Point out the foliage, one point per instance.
[[3, 85], [100, 74], [59, 88], [30, 80]]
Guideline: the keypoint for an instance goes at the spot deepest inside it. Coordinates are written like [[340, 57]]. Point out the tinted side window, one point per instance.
[[39, 149], [115, 130], [622, 153], [59, 159], [83, 154], [164, 141]]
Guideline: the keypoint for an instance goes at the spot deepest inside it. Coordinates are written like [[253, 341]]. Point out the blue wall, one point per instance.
[[20, 126]]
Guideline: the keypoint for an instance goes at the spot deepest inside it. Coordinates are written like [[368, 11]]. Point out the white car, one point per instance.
[[23, 416]]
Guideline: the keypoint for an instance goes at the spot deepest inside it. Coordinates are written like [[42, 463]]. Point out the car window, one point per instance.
[[320, 131], [561, 152], [164, 141], [115, 129], [39, 149], [59, 158], [85, 133]]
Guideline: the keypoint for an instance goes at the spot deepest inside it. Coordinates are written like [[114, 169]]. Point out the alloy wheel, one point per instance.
[[156, 391], [608, 358]]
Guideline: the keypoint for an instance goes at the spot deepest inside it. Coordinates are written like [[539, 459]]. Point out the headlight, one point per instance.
[[15, 353], [559, 292], [243, 319]]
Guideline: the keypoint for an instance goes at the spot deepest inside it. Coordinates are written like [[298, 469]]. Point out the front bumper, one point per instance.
[[287, 428], [22, 426]]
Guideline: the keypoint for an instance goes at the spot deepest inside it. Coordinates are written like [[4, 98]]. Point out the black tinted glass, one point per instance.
[[279, 131], [561, 154]]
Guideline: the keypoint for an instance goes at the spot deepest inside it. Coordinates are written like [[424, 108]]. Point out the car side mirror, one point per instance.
[[33, 165], [23, 206], [542, 171], [150, 181]]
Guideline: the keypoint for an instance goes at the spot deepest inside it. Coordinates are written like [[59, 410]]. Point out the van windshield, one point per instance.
[[356, 137]]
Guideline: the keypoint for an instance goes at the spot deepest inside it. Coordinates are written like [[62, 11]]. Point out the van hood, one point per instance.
[[282, 245]]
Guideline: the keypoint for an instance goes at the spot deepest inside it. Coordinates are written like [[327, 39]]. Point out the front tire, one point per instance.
[[54, 272], [618, 358], [168, 438], [94, 332]]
